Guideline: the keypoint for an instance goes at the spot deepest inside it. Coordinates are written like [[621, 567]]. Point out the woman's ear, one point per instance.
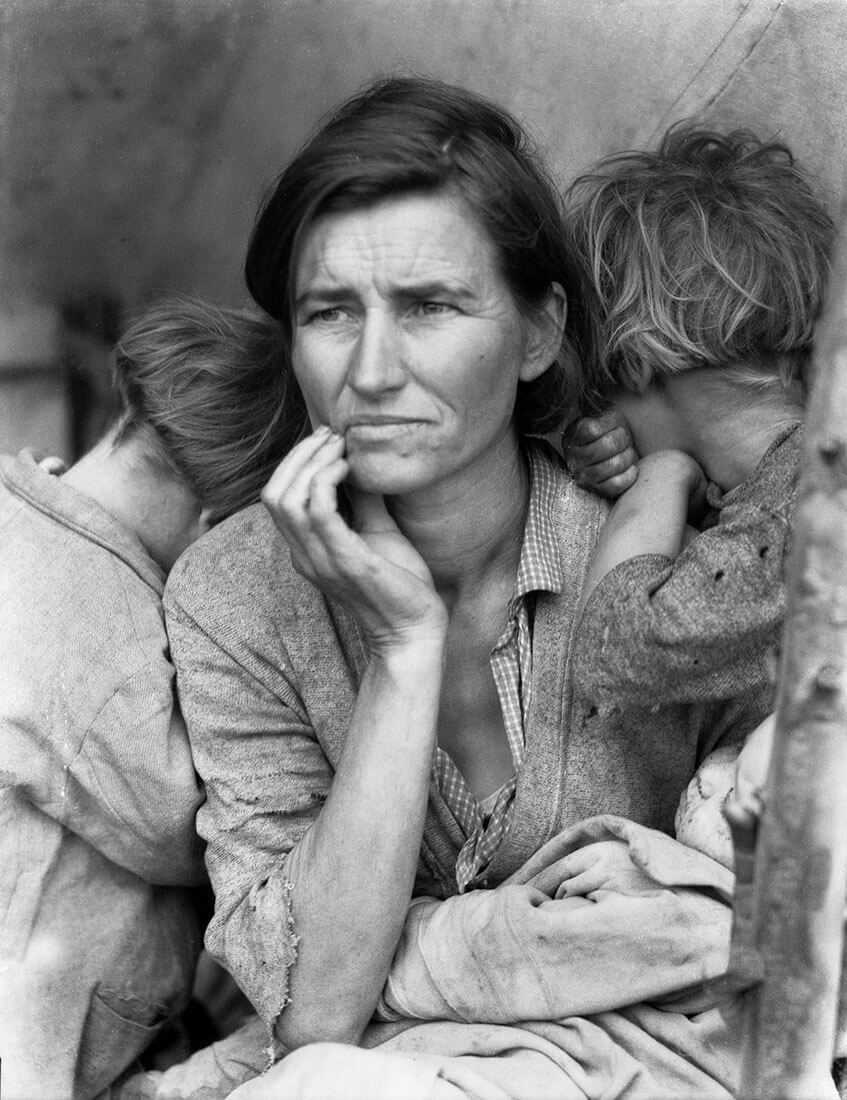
[[545, 333]]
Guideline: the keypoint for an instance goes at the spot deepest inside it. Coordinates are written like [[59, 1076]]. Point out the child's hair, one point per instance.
[[205, 388], [711, 252]]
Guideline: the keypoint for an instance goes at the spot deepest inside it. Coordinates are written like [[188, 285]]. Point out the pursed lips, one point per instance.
[[380, 425]]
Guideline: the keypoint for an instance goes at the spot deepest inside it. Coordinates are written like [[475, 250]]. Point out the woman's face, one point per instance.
[[408, 342]]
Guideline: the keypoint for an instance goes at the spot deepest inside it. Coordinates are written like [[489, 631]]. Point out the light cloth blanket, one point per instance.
[[591, 973]]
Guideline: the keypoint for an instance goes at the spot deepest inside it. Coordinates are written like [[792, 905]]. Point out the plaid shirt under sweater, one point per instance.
[[484, 825]]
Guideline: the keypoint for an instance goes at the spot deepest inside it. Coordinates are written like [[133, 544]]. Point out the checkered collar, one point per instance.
[[540, 568]]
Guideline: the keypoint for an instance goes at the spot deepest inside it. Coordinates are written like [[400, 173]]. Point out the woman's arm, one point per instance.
[[634, 917], [347, 880]]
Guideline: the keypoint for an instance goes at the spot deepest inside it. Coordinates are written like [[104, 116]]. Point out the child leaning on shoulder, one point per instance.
[[708, 260]]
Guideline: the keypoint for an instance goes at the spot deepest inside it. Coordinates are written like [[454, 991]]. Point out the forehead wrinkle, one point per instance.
[[398, 253]]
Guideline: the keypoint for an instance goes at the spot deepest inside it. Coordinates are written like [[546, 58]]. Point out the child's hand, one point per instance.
[[751, 772], [600, 454]]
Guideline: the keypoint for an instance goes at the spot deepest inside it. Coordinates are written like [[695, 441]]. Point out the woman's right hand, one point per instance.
[[373, 570]]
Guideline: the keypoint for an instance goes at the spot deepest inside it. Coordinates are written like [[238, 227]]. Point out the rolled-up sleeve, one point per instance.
[[266, 779]]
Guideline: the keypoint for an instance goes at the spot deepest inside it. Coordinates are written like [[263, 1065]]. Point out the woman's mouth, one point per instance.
[[380, 428]]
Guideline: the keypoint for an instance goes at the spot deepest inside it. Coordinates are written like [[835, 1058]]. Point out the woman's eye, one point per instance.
[[330, 315], [435, 309]]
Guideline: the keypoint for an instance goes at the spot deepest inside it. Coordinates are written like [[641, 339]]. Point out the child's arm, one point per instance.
[[698, 628], [650, 517]]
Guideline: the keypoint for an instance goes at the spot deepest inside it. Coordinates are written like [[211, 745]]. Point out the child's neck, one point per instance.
[[160, 511], [725, 426]]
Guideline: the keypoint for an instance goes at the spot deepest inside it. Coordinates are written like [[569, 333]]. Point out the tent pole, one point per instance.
[[800, 878]]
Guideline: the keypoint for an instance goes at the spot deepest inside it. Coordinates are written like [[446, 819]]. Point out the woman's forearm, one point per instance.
[[353, 873]]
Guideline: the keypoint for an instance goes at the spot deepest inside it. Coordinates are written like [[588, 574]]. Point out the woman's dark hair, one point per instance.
[[404, 135]]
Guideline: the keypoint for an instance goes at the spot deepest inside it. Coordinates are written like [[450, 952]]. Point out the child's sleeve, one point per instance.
[[695, 629]]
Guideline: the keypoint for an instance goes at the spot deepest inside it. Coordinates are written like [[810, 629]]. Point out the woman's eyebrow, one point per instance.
[[324, 293], [431, 288], [434, 288]]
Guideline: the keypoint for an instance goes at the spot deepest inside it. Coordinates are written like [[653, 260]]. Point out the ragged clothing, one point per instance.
[[98, 794], [699, 628], [268, 675], [577, 979]]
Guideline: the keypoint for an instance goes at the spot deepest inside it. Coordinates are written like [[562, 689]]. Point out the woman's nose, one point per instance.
[[376, 360]]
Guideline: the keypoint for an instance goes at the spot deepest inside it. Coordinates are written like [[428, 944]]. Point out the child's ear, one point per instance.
[[545, 332], [205, 521]]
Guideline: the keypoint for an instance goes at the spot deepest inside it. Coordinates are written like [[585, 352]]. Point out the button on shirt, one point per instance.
[[485, 824]]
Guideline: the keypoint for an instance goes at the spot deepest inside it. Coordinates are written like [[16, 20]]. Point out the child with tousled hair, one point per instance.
[[98, 850], [709, 259]]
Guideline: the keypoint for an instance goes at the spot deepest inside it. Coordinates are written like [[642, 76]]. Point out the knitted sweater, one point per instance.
[[704, 626]]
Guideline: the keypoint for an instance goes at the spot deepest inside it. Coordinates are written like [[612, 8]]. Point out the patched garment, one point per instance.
[[704, 627]]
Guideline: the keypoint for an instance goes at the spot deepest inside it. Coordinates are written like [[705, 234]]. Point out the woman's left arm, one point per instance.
[[593, 932]]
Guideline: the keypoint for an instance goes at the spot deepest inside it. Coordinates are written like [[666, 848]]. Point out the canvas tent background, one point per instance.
[[137, 137]]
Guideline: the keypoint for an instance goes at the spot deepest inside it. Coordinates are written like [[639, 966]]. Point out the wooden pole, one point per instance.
[[800, 879]]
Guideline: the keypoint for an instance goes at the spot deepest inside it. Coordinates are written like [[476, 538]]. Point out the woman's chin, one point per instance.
[[383, 475]]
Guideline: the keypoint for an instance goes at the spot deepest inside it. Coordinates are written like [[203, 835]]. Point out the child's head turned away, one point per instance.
[[711, 251]]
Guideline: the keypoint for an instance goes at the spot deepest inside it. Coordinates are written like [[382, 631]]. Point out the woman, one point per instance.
[[379, 701]]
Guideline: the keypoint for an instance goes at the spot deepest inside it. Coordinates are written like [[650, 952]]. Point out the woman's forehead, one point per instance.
[[408, 238]]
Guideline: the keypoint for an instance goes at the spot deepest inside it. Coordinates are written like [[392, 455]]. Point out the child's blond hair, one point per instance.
[[710, 252]]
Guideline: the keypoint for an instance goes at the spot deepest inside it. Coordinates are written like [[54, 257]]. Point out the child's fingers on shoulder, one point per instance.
[[613, 487], [587, 429]]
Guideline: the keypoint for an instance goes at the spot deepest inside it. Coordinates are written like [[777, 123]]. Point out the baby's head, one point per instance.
[[710, 252], [730, 772], [700, 821]]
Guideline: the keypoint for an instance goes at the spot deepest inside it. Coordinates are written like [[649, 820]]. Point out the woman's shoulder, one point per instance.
[[242, 567]]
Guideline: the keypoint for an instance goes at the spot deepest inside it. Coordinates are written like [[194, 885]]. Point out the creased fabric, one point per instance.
[[98, 929], [606, 914], [703, 627], [588, 975]]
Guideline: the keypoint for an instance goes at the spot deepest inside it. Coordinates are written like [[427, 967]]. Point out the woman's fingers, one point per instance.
[[297, 463], [371, 513], [374, 569]]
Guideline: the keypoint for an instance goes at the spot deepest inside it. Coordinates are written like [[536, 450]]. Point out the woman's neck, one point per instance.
[[470, 528]]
